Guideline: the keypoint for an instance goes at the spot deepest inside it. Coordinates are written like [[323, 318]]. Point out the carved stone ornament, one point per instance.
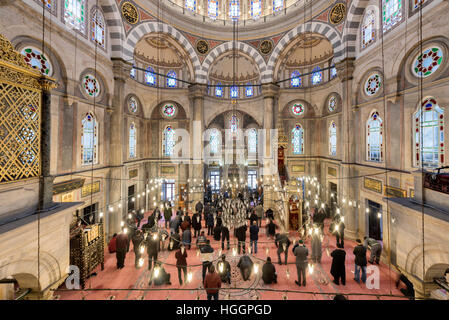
[[202, 47], [337, 13], [266, 46], [130, 13]]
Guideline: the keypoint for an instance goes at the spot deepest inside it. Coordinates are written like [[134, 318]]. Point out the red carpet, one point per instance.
[[319, 284]]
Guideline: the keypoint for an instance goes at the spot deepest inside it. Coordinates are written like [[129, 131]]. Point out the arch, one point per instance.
[[324, 29], [114, 25], [240, 46], [352, 26], [155, 27]]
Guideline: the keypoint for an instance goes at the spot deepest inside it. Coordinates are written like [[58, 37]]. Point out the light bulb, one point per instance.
[[156, 271], [133, 199], [342, 219], [367, 210], [234, 252], [141, 261], [129, 216], [379, 215], [119, 205], [310, 268], [256, 268], [142, 249], [138, 196], [101, 214], [122, 224], [125, 231], [111, 209], [189, 277]]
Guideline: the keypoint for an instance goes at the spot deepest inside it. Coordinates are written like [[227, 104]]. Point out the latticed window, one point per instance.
[[234, 9], [212, 9], [391, 13], [234, 92], [98, 28], [252, 141], [75, 14], [278, 5], [214, 140], [89, 140], [168, 143], [429, 134], [368, 29], [249, 90], [374, 138], [317, 75], [256, 9], [150, 77], [333, 139], [295, 80], [132, 140], [219, 90], [298, 140], [191, 5], [171, 79]]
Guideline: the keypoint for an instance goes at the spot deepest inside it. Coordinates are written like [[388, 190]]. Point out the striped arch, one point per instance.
[[352, 24], [115, 26], [317, 27], [240, 46], [151, 27]]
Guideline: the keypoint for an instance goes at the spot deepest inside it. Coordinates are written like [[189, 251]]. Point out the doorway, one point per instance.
[[90, 213], [333, 196], [168, 190], [374, 220], [131, 193]]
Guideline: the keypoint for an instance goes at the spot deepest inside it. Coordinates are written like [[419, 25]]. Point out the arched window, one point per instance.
[[333, 139], [89, 140], [171, 79], [168, 143], [219, 90], [132, 140], [333, 72], [75, 14], [249, 90], [256, 9], [212, 9], [391, 13], [295, 80], [317, 75], [374, 137], [234, 92], [150, 77], [98, 28], [234, 9], [368, 29], [429, 134], [252, 141], [214, 140], [298, 140], [191, 5], [278, 5]]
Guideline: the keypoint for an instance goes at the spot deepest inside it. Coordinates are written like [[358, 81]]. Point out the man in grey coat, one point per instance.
[[259, 214], [375, 247], [301, 252]]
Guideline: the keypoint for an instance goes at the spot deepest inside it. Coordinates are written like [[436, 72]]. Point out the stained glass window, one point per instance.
[[169, 111], [98, 28], [214, 140], [234, 92], [256, 8], [317, 75], [75, 13], [191, 5], [295, 80], [212, 9], [278, 5], [132, 73], [332, 104], [249, 90], [234, 9], [89, 140], [333, 72], [298, 140], [252, 140], [429, 134], [132, 140], [428, 62], [374, 138], [91, 85], [47, 3], [37, 60], [418, 3], [391, 13], [133, 104], [219, 90], [169, 141], [297, 109], [150, 77], [372, 84], [333, 139], [171, 79], [368, 28]]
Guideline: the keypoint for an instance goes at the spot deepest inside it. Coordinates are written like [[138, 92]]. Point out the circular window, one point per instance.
[[91, 85], [297, 109], [373, 84], [332, 104], [169, 111], [37, 60], [427, 62], [132, 104]]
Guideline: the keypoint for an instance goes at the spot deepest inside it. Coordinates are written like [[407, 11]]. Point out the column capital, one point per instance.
[[345, 69], [48, 83], [121, 69], [270, 90], [197, 90]]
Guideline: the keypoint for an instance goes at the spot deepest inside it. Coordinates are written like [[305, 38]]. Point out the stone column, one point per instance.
[[268, 154], [347, 188], [196, 95], [117, 181]]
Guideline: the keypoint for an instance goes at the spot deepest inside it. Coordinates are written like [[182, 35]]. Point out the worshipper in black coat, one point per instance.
[[206, 256], [246, 266], [121, 249], [196, 224], [270, 214], [149, 225], [219, 221], [199, 207], [224, 236], [254, 235], [152, 243], [360, 261], [139, 216], [301, 252], [240, 233], [187, 238], [161, 278], [338, 270], [181, 263], [209, 223], [282, 242], [137, 241], [269, 275], [131, 226], [252, 217], [217, 232], [224, 269], [319, 218], [271, 229]]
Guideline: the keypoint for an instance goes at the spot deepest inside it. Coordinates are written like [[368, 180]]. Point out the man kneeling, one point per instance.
[[160, 276], [246, 266], [269, 275]]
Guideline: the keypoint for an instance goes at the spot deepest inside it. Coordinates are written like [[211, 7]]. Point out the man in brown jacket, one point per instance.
[[212, 283]]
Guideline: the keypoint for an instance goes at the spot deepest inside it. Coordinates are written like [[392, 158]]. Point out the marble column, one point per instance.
[[347, 188]]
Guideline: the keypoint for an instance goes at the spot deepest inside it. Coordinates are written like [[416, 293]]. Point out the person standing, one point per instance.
[[137, 242], [339, 230], [112, 246], [301, 252], [224, 269], [167, 215], [152, 242], [199, 207], [259, 213], [360, 261], [254, 236], [206, 257], [212, 284], [209, 223], [269, 275], [282, 242], [139, 217], [181, 263], [338, 269], [121, 249], [271, 229], [316, 244], [196, 224], [253, 217], [375, 247], [241, 237], [224, 236], [187, 237]]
